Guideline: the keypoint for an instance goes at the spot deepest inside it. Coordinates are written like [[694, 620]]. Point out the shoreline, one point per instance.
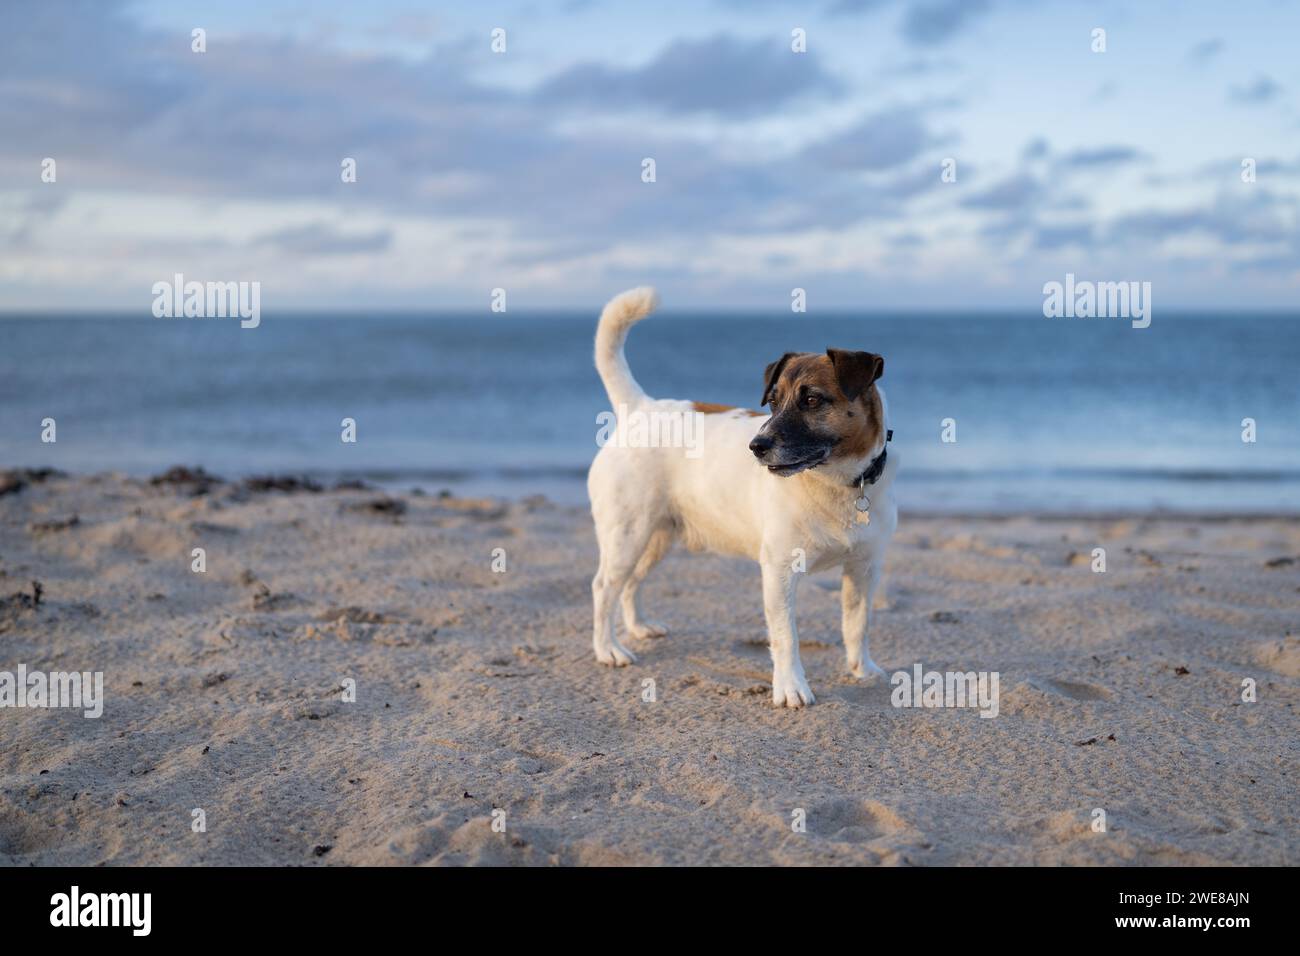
[[487, 487]]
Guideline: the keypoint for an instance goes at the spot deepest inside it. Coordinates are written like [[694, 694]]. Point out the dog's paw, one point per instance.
[[791, 690], [867, 670], [616, 655], [644, 629]]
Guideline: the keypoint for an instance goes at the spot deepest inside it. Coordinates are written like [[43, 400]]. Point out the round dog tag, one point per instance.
[[863, 504]]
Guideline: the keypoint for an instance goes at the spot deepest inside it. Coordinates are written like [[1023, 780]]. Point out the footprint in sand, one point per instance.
[[854, 821], [1039, 696], [527, 764], [1282, 656], [1075, 690]]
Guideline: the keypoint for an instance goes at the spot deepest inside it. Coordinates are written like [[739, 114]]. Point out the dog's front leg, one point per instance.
[[857, 589], [789, 687]]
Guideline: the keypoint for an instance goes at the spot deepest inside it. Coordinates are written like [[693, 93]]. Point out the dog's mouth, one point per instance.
[[786, 469]]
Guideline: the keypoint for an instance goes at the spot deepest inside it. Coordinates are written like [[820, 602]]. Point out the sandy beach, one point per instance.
[[476, 690]]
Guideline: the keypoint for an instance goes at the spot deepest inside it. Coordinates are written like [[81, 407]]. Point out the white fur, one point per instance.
[[719, 498]]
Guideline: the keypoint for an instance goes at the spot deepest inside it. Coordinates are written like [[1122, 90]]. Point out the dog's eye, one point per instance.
[[811, 401]]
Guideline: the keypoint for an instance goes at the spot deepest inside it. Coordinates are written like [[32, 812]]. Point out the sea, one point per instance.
[[991, 413]]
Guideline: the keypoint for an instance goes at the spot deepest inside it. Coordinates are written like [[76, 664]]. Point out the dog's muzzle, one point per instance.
[[786, 460]]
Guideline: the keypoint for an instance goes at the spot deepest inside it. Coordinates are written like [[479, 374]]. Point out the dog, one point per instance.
[[806, 487]]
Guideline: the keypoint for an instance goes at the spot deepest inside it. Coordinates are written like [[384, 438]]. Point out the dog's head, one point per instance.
[[825, 408]]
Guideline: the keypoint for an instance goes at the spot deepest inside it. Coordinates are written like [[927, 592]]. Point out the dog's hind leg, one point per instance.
[[636, 626], [621, 547], [881, 601], [858, 588]]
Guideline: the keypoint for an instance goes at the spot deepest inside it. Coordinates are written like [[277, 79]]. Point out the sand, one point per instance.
[[476, 691]]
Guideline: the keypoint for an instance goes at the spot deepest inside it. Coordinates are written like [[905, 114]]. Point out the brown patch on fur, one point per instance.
[[859, 422], [870, 427], [713, 408]]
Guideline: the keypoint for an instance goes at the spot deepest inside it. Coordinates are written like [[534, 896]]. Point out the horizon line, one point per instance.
[[327, 312]]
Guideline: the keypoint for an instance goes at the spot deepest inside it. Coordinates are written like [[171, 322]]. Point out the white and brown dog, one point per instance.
[[807, 487]]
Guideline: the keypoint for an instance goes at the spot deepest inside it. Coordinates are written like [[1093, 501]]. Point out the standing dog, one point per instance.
[[807, 487]]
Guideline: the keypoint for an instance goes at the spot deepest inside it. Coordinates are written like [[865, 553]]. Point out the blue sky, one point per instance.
[[775, 170]]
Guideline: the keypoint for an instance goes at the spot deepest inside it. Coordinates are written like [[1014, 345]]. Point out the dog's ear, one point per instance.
[[770, 375], [855, 371]]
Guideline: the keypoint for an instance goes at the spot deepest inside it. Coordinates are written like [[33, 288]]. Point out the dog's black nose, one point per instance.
[[761, 445]]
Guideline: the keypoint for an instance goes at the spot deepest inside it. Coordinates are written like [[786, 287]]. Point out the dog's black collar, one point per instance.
[[877, 466]]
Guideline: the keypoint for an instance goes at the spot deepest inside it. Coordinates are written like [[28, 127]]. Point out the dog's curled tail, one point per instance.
[[619, 315]]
